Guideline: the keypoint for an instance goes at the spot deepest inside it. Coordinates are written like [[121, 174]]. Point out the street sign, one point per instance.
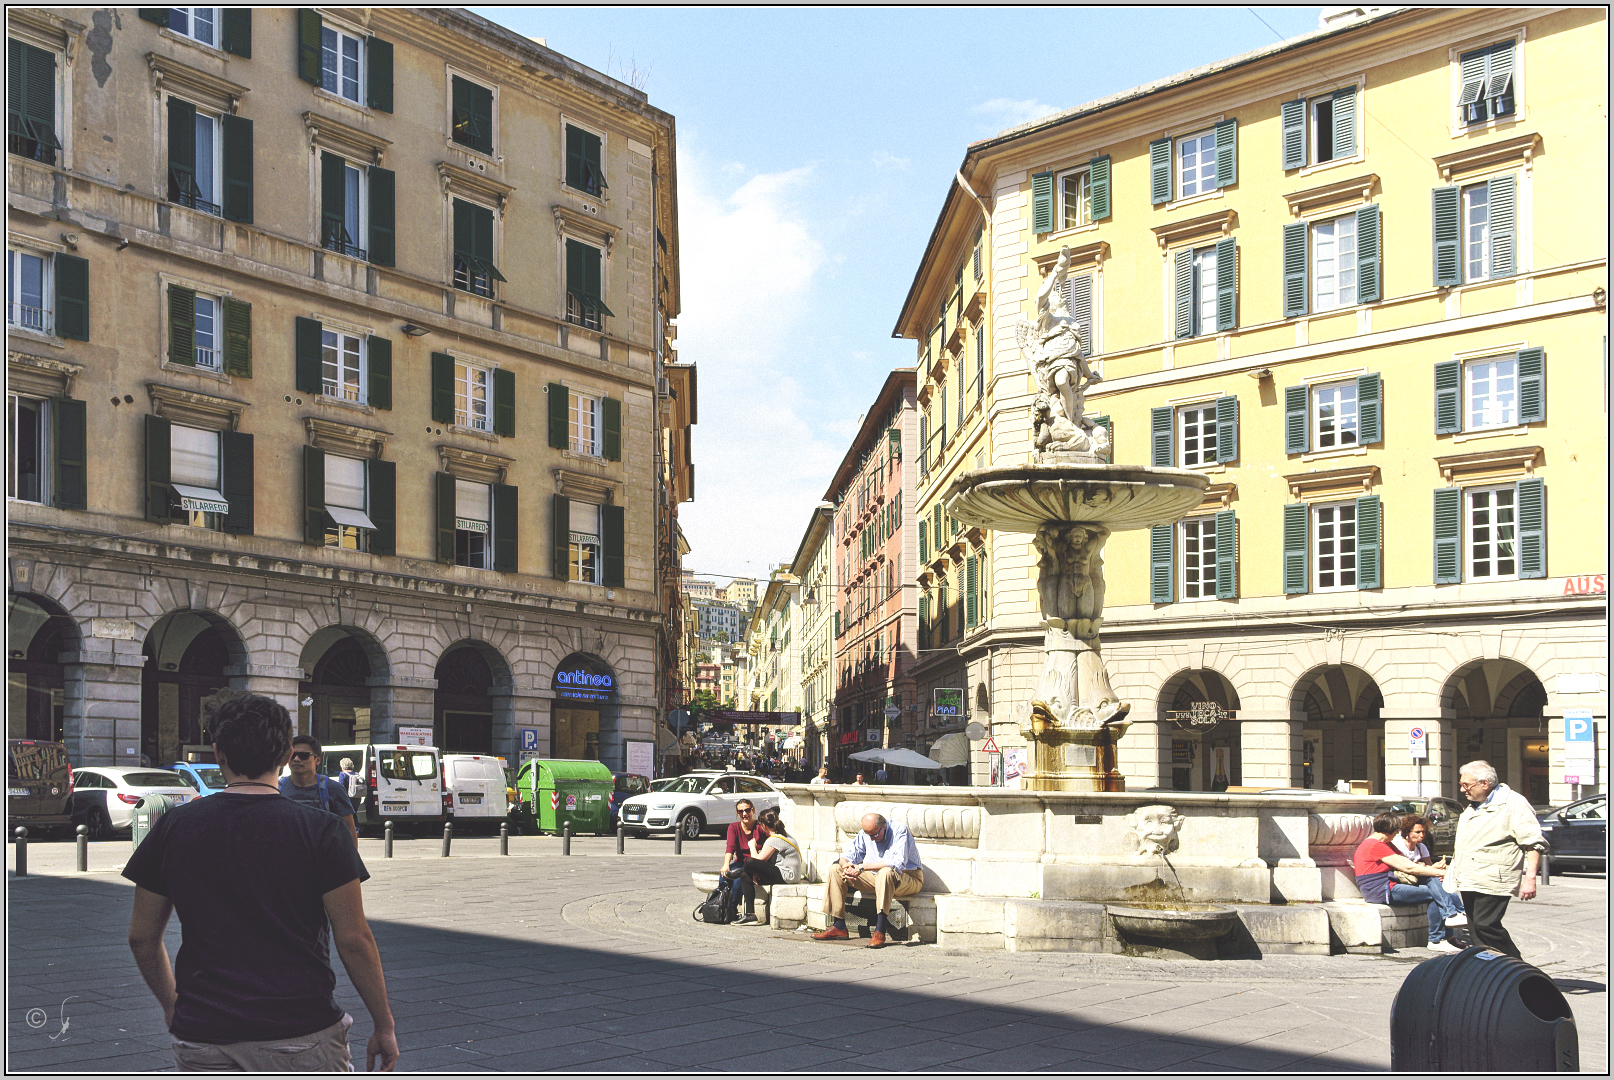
[[893, 712], [990, 746], [872, 735], [1418, 743], [1580, 747], [529, 739]]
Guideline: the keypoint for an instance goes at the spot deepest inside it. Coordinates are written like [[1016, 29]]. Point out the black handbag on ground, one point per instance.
[[718, 907]]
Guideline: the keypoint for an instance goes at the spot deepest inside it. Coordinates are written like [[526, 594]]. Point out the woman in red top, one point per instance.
[[741, 836]]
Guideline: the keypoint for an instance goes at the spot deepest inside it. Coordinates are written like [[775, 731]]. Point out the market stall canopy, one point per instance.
[[951, 750], [877, 754]]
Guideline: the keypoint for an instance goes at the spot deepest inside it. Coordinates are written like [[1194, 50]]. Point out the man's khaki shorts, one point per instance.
[[323, 1051]]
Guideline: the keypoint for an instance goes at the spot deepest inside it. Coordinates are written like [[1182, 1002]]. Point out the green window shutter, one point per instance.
[[72, 298], [560, 535], [378, 354], [1369, 544], [1503, 224], [1109, 432], [1448, 394], [1226, 556], [559, 436], [482, 220], [158, 15], [936, 526], [924, 541], [235, 25], [464, 229], [592, 257], [309, 45], [611, 417], [1532, 503], [333, 199], [181, 148], [1098, 181], [1160, 171], [310, 355], [1079, 301], [1296, 547], [464, 121], [442, 388], [1160, 559], [381, 478], [447, 508], [159, 442], [1227, 278], [1367, 254], [383, 243], [1448, 536], [314, 517], [236, 135], [1532, 386], [1473, 67], [235, 480], [237, 337], [1447, 210], [1295, 299], [31, 92], [378, 55], [181, 325], [504, 402], [473, 115], [1345, 123], [72, 454], [611, 543], [583, 170], [1227, 429], [574, 157], [1296, 425], [1042, 202], [1369, 409], [482, 110], [972, 593], [1499, 63], [505, 534], [1184, 300], [1227, 153], [1294, 134], [924, 622], [1160, 419]]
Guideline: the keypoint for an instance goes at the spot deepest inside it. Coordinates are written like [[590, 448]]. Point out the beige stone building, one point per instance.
[[339, 370]]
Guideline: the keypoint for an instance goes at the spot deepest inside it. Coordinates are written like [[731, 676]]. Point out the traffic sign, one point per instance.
[[893, 712], [990, 746], [529, 738], [1418, 743]]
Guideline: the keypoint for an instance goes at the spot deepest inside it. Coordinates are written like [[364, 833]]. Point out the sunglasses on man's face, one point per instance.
[[302, 755]]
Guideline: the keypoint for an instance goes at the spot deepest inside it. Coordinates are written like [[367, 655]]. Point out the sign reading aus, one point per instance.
[[1200, 716]]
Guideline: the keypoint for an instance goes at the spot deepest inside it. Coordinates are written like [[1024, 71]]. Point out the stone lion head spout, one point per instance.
[[1154, 831]]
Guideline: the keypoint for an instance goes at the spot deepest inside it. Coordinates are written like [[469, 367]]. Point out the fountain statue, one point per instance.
[[1070, 500]]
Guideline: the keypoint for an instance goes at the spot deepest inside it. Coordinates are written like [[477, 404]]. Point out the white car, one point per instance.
[[701, 800], [104, 797]]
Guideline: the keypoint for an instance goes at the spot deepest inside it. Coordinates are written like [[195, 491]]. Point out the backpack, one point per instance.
[[718, 907]]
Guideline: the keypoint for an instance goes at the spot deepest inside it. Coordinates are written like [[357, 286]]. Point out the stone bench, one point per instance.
[[706, 881], [1361, 927]]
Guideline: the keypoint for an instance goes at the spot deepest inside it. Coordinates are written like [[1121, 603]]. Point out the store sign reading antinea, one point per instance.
[[583, 678]]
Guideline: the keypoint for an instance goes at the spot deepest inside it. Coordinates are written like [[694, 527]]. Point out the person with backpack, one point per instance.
[[743, 836], [308, 786]]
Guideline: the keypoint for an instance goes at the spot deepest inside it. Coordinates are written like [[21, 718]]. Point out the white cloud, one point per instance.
[[1007, 113]]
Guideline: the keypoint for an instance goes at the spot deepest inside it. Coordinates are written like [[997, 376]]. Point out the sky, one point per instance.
[[815, 149]]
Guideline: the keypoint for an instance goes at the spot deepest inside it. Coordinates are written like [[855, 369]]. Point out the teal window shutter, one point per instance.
[[1079, 302], [159, 463], [506, 530], [611, 428], [559, 403], [1345, 123], [158, 15], [310, 37], [1503, 222], [1369, 409], [235, 25], [971, 593], [72, 454], [1098, 181], [504, 402], [378, 358], [236, 480], [1160, 436], [1109, 433], [383, 214], [1184, 298], [936, 525], [1160, 558], [1227, 276], [1227, 429], [1296, 544], [1160, 171], [1226, 556], [613, 563], [72, 297], [1367, 254], [1532, 503], [1447, 211], [1448, 397], [447, 499], [1369, 544], [310, 355], [1294, 134], [314, 517], [1448, 535], [482, 223], [381, 477], [1295, 293], [1042, 202], [561, 536], [1227, 153], [1296, 425], [442, 388], [924, 622], [583, 170], [182, 325], [31, 98], [235, 133], [378, 54], [924, 541], [1532, 386], [237, 320]]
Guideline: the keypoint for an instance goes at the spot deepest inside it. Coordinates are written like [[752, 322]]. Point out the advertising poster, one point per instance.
[[642, 758], [1014, 763], [414, 736]]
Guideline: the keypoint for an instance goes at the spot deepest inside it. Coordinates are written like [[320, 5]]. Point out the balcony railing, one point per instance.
[[182, 189], [29, 147], [37, 319], [208, 358]]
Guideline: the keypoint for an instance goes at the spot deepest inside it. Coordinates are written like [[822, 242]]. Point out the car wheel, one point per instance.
[[100, 825], [690, 825]]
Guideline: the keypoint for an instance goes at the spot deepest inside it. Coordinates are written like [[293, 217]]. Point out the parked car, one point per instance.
[[205, 778], [1442, 814], [476, 784], [39, 786], [1578, 834], [401, 784], [697, 801], [663, 783], [626, 786], [104, 796]]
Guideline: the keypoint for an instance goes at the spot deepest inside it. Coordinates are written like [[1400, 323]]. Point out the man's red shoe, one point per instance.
[[834, 933], [876, 940]]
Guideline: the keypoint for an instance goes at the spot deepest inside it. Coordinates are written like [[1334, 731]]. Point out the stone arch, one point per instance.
[[344, 688], [194, 658], [472, 700], [1497, 706], [1340, 707], [1201, 759], [39, 633]]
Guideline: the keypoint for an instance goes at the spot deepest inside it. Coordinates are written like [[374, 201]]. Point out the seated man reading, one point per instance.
[[883, 859]]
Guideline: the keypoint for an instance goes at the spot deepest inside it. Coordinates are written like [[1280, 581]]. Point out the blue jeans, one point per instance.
[[1432, 892]]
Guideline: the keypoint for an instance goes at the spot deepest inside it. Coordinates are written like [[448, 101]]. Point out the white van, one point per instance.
[[393, 782], [476, 784]]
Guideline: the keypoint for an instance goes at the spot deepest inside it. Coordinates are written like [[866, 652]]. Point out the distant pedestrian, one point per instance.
[[1499, 845], [879, 774], [307, 785], [860, 782], [255, 880], [822, 777], [348, 778]]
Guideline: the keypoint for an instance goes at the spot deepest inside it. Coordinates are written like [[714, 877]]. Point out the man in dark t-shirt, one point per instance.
[[254, 878], [309, 786]]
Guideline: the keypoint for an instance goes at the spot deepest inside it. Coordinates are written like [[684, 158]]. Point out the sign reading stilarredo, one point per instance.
[[1200, 716]]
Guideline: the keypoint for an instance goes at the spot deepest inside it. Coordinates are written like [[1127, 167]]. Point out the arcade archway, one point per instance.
[[1204, 756], [1343, 733], [187, 654], [38, 633]]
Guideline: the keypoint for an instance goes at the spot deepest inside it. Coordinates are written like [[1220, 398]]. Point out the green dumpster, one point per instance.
[[557, 790], [146, 814]]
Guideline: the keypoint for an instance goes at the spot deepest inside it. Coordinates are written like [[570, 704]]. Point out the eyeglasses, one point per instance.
[[747, 811], [302, 755]]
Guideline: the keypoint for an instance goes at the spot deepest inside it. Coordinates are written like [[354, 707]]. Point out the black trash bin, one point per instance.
[[1481, 1011]]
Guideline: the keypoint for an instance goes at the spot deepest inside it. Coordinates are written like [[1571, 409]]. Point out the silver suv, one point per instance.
[[697, 801]]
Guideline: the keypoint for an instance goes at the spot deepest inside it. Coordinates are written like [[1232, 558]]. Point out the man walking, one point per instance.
[[254, 878], [308, 786], [881, 859], [1499, 845]]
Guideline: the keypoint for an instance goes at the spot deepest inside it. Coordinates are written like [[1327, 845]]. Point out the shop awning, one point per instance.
[[951, 750]]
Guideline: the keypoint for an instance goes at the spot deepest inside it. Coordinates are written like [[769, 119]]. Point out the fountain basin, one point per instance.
[[1171, 927], [1023, 498]]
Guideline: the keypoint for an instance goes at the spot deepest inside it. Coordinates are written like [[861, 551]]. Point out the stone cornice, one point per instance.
[[1471, 159], [474, 465], [200, 410], [1217, 497], [1095, 253], [39, 375], [345, 139], [587, 225], [1310, 485], [1205, 226], [458, 181], [345, 439], [207, 89], [1489, 464], [1358, 189], [43, 27], [580, 485]]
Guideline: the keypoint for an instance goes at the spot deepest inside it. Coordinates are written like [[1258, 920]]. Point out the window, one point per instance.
[[1492, 533], [474, 270], [583, 170], [346, 504], [1491, 392], [1196, 436], [349, 65], [345, 206], [31, 102], [471, 396], [583, 423], [473, 522], [1075, 199], [194, 475], [1199, 558], [583, 543], [1486, 84], [472, 108], [1334, 528], [206, 333], [584, 297], [1196, 164], [1336, 415], [1329, 547], [342, 366], [28, 291], [27, 432], [199, 24], [1319, 130], [1333, 263], [1202, 162], [1475, 232], [340, 57], [1205, 289], [197, 187]]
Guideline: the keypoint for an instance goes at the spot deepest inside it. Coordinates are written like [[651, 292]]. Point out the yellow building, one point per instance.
[[1358, 278]]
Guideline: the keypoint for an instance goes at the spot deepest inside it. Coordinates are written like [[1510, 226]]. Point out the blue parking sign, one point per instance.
[[1578, 727], [529, 739]]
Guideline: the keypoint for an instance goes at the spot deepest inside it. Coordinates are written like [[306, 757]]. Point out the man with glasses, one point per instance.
[[741, 835], [1499, 845], [307, 785]]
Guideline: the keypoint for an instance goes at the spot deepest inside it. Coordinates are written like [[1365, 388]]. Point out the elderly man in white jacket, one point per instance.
[[1499, 845]]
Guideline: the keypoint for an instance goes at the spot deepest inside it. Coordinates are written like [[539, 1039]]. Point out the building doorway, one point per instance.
[[1205, 756], [464, 702], [1342, 704], [186, 658], [338, 695], [37, 639], [1533, 769]]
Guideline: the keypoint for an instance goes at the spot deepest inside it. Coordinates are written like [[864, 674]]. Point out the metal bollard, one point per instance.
[[448, 836], [504, 838], [1546, 869], [566, 839], [22, 851], [678, 841], [621, 839], [83, 848], [386, 840]]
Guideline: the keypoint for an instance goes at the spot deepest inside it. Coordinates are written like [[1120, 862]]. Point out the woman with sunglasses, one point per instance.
[[742, 837]]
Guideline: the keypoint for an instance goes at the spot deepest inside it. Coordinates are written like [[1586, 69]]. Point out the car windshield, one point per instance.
[[631, 785], [190, 780], [153, 779], [688, 785], [406, 765], [211, 775]]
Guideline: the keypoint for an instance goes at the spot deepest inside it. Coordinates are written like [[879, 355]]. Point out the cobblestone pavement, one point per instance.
[[537, 961]]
